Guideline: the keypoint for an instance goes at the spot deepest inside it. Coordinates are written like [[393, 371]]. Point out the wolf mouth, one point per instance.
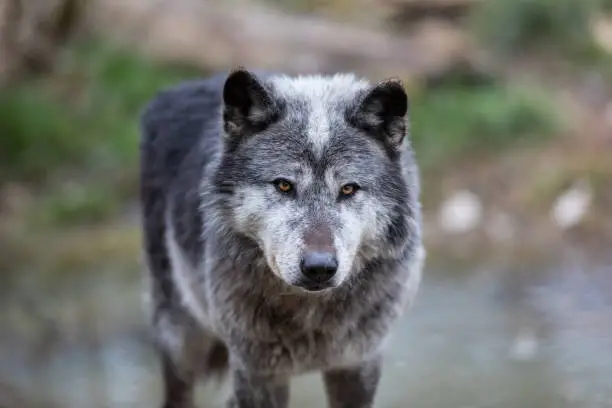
[[314, 287]]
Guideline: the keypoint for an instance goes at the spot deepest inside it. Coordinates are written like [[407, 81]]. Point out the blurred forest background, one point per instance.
[[511, 119]]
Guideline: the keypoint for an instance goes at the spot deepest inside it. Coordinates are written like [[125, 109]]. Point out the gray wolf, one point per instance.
[[282, 232]]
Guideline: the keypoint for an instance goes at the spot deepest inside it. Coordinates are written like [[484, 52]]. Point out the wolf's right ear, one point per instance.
[[248, 106]]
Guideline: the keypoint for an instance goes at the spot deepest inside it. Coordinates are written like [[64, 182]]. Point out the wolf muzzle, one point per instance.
[[318, 269]]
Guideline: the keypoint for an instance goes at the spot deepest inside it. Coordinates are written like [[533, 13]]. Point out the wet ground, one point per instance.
[[490, 334]]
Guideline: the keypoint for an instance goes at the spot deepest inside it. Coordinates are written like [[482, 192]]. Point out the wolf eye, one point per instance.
[[348, 190], [283, 185]]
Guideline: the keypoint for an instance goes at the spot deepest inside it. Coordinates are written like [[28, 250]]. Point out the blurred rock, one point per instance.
[[11, 397], [571, 206], [460, 213], [525, 345], [204, 33], [14, 197], [500, 227], [608, 114], [601, 30]]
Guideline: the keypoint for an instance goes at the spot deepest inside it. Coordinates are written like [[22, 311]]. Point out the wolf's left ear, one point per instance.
[[381, 112], [248, 106]]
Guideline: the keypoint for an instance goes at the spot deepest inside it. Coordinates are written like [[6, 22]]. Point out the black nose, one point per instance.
[[319, 266]]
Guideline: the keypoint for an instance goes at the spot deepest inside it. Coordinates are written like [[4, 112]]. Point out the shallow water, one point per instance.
[[487, 335]]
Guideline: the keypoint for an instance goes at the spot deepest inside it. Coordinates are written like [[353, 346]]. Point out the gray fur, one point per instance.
[[223, 245]]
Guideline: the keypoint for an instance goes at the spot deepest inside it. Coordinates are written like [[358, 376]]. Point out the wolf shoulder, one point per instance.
[[188, 108], [176, 118]]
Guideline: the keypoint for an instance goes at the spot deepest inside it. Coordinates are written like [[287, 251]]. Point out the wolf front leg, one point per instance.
[[259, 391], [178, 385], [353, 387], [188, 354]]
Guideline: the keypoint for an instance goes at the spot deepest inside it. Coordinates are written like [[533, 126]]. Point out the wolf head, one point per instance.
[[313, 167]]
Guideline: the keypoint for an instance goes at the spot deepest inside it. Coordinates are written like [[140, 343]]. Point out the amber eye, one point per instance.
[[283, 185], [348, 190]]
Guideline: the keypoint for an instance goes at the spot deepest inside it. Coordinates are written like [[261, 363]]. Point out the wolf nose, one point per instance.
[[319, 266]]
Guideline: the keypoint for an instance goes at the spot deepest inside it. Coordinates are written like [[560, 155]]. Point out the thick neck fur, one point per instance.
[[241, 272]]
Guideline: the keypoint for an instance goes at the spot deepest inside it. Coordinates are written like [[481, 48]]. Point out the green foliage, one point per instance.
[[76, 203], [36, 132], [86, 112], [80, 120], [460, 121], [513, 26], [605, 5]]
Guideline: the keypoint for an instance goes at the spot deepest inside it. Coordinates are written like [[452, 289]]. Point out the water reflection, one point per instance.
[[488, 335]]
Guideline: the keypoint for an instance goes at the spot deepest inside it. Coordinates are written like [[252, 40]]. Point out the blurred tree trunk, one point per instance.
[[31, 34]]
